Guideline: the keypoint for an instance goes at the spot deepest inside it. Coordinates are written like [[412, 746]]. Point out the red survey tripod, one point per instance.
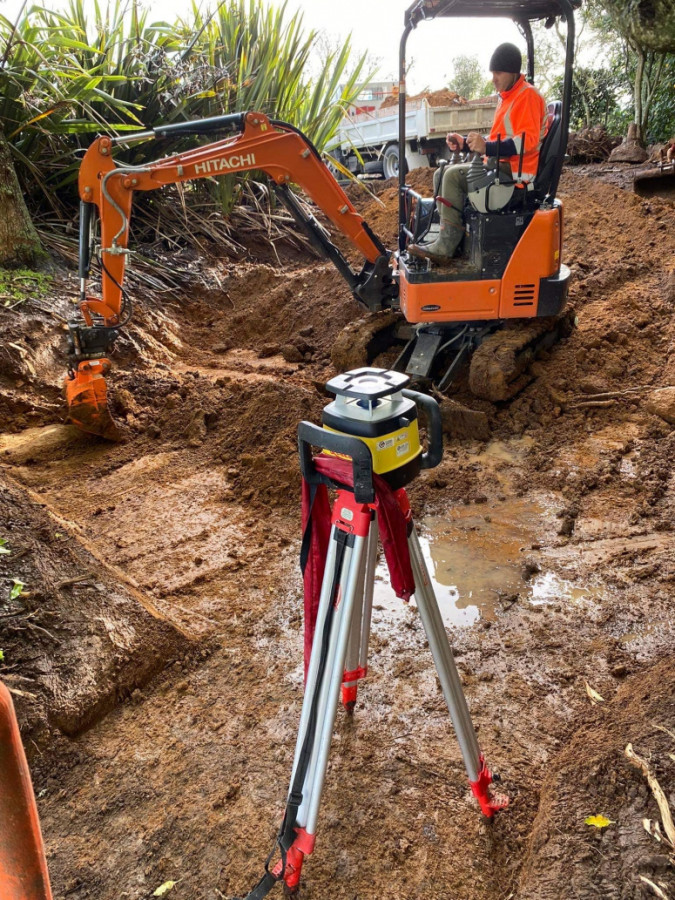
[[371, 445]]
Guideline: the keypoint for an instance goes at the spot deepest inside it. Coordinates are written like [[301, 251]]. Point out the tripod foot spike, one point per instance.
[[349, 697], [489, 804], [350, 686], [290, 873]]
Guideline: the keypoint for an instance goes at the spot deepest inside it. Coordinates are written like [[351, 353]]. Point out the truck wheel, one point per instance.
[[374, 167], [334, 171], [391, 161]]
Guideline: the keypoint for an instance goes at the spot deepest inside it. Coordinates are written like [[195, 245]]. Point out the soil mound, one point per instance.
[[76, 638], [442, 97], [592, 776]]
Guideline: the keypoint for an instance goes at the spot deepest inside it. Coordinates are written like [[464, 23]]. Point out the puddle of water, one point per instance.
[[631, 636], [475, 557], [547, 587], [472, 556]]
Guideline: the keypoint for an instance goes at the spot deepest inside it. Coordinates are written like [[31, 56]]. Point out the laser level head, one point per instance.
[[370, 405], [367, 384], [373, 422]]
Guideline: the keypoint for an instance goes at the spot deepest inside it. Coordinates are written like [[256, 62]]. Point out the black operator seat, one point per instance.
[[550, 152]]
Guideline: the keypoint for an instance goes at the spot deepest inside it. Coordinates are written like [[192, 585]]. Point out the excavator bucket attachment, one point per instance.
[[23, 867], [87, 397], [656, 182]]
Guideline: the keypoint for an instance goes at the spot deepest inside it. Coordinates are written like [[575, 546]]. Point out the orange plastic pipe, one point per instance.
[[23, 867]]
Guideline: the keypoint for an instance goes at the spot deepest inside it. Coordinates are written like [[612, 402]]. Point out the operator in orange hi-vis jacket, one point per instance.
[[520, 119]]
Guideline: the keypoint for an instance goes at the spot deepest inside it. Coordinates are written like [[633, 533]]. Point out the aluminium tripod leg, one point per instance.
[[480, 776], [356, 663], [343, 577]]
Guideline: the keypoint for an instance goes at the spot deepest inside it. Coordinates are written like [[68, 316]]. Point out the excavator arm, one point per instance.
[[277, 148]]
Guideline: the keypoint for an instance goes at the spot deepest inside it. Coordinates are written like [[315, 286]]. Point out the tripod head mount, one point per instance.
[[374, 411]]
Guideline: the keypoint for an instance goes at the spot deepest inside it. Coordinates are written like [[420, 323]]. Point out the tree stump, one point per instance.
[[631, 150]]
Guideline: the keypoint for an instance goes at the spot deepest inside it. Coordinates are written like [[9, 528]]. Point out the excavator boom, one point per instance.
[[278, 149]]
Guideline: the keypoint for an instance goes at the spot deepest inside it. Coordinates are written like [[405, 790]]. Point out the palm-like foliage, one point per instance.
[[68, 74]]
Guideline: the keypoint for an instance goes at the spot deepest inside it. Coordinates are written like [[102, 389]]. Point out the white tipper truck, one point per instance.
[[369, 141]]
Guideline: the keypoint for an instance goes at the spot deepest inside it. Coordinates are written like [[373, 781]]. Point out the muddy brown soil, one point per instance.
[[188, 614], [443, 97]]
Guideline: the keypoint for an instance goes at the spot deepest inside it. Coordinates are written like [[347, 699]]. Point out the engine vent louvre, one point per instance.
[[523, 295]]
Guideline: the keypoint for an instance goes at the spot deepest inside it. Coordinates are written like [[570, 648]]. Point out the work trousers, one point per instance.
[[454, 190]]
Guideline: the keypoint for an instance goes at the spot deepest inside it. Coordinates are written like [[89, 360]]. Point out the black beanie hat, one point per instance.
[[506, 58]]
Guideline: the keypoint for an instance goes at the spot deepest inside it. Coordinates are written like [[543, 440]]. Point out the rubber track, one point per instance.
[[499, 365]]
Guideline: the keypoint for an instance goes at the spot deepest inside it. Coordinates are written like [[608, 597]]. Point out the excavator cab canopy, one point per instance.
[[512, 9], [522, 12]]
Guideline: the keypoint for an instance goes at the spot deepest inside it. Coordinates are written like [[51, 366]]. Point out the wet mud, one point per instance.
[[166, 684]]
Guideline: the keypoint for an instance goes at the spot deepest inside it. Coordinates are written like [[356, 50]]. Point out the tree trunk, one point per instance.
[[651, 80], [19, 241], [637, 90]]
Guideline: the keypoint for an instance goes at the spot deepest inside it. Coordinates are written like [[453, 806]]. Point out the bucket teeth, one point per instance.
[[87, 397]]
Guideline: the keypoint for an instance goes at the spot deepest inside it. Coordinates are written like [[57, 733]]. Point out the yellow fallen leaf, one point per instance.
[[598, 821], [594, 695], [165, 888]]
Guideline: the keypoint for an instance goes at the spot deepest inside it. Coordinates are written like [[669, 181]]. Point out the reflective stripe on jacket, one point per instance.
[[522, 109]]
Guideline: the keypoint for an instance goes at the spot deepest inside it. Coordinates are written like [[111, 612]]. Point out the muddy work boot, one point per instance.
[[443, 248]]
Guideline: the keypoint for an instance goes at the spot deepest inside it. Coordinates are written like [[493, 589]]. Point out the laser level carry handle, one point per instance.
[[362, 462], [434, 454]]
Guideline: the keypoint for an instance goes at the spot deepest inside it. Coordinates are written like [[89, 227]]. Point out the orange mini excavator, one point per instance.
[[509, 272]]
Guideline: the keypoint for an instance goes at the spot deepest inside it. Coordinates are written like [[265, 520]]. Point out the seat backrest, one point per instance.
[[550, 150]]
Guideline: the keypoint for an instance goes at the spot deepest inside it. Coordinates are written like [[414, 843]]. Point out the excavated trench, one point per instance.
[[156, 649]]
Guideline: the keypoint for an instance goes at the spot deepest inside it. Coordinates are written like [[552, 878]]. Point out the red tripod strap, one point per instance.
[[316, 533]]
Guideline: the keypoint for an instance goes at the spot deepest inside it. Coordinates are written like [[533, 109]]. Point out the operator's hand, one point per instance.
[[455, 142], [476, 142]]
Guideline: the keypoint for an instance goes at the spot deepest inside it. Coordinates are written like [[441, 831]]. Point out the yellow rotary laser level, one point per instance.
[[374, 406]]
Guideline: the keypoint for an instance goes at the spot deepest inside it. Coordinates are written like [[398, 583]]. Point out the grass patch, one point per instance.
[[19, 285]]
